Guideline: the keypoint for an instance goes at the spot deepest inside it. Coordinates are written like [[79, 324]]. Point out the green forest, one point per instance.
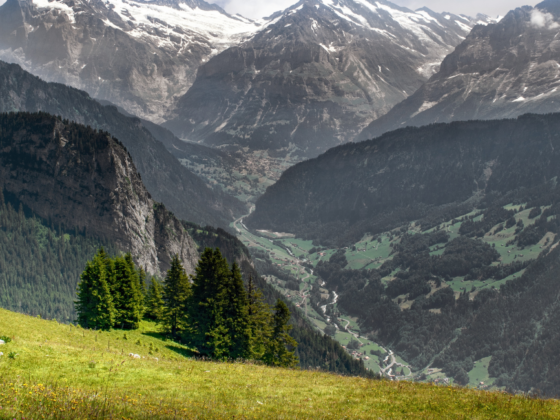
[[40, 264], [211, 312]]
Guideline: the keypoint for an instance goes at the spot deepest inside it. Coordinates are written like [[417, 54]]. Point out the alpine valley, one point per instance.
[[346, 187]]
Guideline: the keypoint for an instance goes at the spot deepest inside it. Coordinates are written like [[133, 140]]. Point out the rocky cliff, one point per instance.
[[501, 70], [140, 55], [168, 181], [316, 75], [82, 178]]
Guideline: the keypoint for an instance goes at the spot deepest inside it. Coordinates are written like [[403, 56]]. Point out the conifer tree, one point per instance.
[[95, 304], [127, 293], [279, 348], [235, 315], [207, 332], [155, 305], [260, 320], [176, 293]]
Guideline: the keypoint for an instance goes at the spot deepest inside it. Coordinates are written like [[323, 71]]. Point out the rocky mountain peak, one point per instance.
[[315, 75], [140, 55], [502, 70]]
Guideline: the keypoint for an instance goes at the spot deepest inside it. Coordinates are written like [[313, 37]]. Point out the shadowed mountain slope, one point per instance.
[[410, 174], [168, 181]]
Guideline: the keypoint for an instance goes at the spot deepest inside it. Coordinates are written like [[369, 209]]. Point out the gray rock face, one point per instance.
[[168, 181], [138, 55], [501, 70], [316, 75], [72, 175]]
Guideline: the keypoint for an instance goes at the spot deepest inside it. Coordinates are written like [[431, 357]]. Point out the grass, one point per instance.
[[480, 373], [64, 372]]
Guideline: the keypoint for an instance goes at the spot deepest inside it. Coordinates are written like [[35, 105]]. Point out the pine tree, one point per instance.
[[95, 305], [260, 319], [207, 332], [176, 293], [127, 293], [278, 351], [235, 315], [155, 305]]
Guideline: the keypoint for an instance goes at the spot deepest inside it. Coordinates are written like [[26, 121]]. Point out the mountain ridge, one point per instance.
[[314, 76], [501, 70], [85, 179], [138, 55]]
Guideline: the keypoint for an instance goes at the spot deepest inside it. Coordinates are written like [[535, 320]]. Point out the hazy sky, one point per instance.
[[261, 8]]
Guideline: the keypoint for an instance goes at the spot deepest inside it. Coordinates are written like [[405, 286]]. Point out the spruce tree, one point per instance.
[[155, 305], [260, 320], [235, 315], [207, 332], [95, 305], [279, 348], [127, 293], [219, 325], [176, 293]]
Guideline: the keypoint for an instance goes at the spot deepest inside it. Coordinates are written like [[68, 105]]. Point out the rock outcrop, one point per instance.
[[85, 179]]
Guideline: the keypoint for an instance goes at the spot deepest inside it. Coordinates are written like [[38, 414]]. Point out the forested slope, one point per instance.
[[430, 174], [464, 219]]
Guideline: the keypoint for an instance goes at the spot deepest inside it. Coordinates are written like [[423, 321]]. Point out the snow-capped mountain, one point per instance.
[[316, 75], [500, 71], [141, 55]]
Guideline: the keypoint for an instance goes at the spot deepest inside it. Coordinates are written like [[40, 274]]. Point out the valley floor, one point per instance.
[[56, 371], [296, 256]]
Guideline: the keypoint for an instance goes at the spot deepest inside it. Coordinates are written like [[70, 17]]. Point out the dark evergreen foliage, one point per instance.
[[176, 293], [40, 265], [154, 303]]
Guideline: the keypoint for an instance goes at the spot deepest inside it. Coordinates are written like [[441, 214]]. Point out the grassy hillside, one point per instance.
[[61, 371]]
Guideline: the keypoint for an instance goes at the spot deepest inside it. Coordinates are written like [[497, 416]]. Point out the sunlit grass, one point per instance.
[[64, 372]]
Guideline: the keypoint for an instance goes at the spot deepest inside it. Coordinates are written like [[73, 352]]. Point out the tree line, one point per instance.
[[213, 312]]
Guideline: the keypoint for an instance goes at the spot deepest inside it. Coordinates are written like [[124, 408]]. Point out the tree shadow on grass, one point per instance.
[[173, 346]]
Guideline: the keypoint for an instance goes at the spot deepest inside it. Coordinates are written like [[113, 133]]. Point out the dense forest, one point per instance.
[[40, 264], [429, 175]]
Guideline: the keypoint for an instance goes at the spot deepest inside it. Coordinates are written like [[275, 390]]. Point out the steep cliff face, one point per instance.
[[82, 178], [168, 181], [316, 75], [139, 55], [500, 71]]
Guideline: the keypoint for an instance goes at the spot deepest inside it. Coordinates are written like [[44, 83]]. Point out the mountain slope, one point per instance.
[[410, 174], [137, 54], [98, 379], [316, 75], [83, 179], [167, 180], [500, 71]]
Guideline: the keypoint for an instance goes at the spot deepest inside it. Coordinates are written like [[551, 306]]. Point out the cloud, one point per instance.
[[543, 20]]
